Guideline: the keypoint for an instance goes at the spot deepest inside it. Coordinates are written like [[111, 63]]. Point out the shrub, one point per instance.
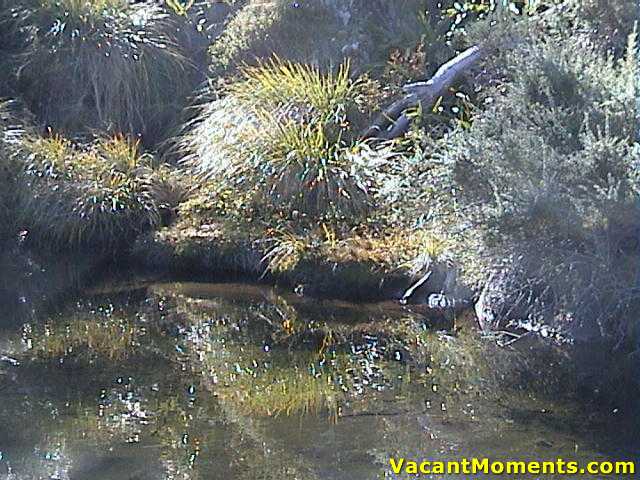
[[325, 32], [286, 136], [556, 148], [547, 171], [607, 23], [96, 196], [109, 64]]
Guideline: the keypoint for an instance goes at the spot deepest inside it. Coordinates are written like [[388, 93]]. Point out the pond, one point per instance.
[[142, 380]]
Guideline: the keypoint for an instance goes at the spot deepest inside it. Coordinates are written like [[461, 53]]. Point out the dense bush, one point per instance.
[[108, 64], [324, 32], [547, 172], [285, 136], [607, 23], [556, 138], [97, 196]]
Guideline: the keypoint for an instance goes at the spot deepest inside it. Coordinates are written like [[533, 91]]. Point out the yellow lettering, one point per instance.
[[511, 467], [479, 466], [592, 468], [625, 468], [548, 468], [395, 466], [516, 468], [606, 468]]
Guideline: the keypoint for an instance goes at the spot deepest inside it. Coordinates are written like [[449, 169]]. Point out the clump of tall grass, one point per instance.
[[285, 136], [96, 196], [108, 64], [11, 130], [276, 82]]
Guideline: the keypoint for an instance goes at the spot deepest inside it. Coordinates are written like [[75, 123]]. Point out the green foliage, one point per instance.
[[109, 64], [327, 31], [285, 137], [97, 196], [262, 29], [557, 137], [602, 23], [607, 23], [275, 83], [179, 6], [547, 172]]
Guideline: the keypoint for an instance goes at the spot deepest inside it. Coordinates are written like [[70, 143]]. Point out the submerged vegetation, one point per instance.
[[200, 374]]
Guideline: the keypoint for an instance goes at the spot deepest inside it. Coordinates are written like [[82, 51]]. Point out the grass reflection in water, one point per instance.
[[192, 381]]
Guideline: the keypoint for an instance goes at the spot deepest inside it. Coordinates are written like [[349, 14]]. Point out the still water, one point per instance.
[[150, 381]]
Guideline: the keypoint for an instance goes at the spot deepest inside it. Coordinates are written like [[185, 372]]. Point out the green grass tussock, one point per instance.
[[285, 136], [11, 131], [108, 64], [96, 196]]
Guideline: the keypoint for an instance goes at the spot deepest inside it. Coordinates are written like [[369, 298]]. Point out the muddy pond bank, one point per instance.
[[172, 252]]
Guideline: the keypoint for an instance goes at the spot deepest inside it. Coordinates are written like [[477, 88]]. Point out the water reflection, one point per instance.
[[194, 381]]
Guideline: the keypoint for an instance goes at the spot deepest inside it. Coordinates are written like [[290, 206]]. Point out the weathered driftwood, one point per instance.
[[394, 121]]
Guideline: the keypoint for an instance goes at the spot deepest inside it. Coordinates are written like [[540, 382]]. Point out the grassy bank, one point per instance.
[[356, 268]]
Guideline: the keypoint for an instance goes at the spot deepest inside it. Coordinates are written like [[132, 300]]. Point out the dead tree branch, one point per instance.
[[394, 121]]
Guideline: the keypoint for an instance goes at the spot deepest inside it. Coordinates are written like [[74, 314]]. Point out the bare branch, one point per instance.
[[394, 121]]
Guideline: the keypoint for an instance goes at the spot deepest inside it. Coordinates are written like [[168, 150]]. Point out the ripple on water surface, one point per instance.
[[201, 381]]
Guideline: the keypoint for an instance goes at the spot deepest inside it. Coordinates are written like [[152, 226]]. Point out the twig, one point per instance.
[[513, 340]]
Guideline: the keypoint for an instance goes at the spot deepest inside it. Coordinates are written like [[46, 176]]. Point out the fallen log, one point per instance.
[[394, 121]]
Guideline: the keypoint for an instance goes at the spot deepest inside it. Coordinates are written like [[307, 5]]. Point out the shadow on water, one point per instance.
[[30, 284], [201, 381]]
